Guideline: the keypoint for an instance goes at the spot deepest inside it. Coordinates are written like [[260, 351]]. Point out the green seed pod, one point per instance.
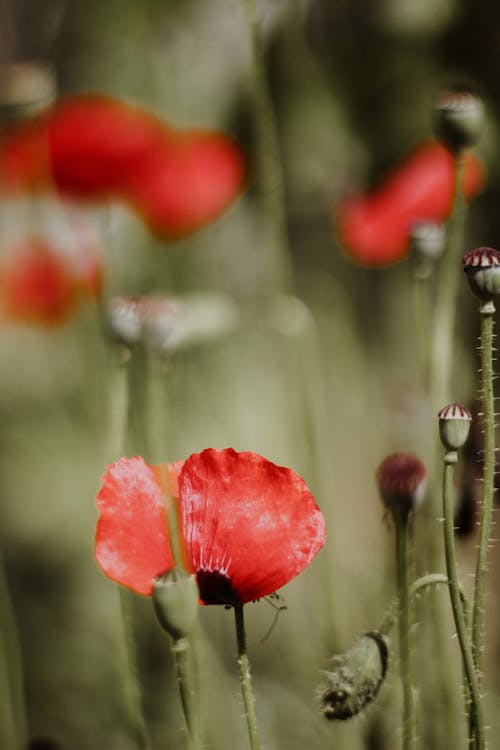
[[454, 426], [355, 677], [175, 601], [482, 267], [458, 119]]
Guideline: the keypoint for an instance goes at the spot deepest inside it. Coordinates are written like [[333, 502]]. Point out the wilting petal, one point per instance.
[[375, 229], [132, 545], [36, 285], [249, 526]]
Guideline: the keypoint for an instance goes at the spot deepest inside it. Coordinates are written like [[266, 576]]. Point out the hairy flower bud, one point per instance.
[[458, 119], [355, 677], [482, 267], [402, 480], [454, 425], [175, 600]]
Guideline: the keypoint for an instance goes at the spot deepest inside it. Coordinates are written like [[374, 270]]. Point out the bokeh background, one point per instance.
[[321, 377]]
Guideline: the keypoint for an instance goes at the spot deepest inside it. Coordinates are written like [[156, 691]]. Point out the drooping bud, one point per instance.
[[482, 267], [402, 481], [175, 601], [454, 426], [355, 677], [458, 118]]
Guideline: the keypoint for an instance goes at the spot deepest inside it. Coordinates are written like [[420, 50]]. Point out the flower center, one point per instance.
[[216, 588]]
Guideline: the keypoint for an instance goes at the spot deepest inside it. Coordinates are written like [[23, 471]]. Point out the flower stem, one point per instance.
[[404, 622], [474, 712], [181, 649], [245, 680], [268, 156], [487, 311]]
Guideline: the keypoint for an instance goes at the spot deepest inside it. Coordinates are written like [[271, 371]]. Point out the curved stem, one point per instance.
[[404, 622], [269, 162], [475, 711], [487, 311], [245, 680]]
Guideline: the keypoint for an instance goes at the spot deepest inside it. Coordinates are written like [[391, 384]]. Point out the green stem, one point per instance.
[[181, 649], [268, 156], [421, 310], [487, 311], [404, 622], [245, 680], [475, 711], [13, 726]]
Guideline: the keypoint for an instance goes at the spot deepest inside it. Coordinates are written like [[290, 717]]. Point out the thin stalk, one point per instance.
[[487, 311], [404, 623], [245, 680], [421, 278], [269, 166], [476, 723], [181, 649]]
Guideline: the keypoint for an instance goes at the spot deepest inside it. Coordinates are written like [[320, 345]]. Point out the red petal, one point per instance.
[[36, 286], [375, 229], [131, 544], [248, 520]]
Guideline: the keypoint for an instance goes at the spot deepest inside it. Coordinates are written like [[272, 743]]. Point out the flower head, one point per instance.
[[375, 229], [247, 526], [402, 480]]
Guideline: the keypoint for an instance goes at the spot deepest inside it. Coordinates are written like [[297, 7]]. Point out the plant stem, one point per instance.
[[268, 157], [181, 649], [404, 622], [476, 724], [487, 311], [245, 680]]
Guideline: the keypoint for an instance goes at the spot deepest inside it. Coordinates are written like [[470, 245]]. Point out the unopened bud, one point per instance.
[[175, 600], [454, 426], [25, 88], [482, 267], [402, 481], [458, 119], [355, 677], [124, 320]]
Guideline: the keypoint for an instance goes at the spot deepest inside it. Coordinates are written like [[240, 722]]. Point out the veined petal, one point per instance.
[[251, 524], [132, 545]]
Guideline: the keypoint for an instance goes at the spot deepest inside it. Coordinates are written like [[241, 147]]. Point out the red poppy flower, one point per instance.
[[94, 148], [247, 525], [38, 284], [375, 229]]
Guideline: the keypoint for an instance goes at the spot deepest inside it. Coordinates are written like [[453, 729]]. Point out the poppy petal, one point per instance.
[[132, 545], [251, 524]]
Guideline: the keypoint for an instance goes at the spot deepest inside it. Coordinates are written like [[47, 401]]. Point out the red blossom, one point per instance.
[[374, 229], [95, 148], [247, 526]]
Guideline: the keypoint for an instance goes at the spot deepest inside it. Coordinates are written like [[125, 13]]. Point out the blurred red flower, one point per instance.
[[247, 526], [374, 229], [94, 148], [38, 284]]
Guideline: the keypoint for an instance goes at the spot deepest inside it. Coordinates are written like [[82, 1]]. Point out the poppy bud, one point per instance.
[[356, 677], [25, 88], [402, 480], [175, 600], [458, 119], [454, 425], [482, 267], [427, 240], [124, 320]]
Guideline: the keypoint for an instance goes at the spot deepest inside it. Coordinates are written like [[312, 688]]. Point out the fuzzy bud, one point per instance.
[[175, 601], [482, 267], [25, 88], [458, 119], [454, 426], [124, 320], [402, 481], [355, 677]]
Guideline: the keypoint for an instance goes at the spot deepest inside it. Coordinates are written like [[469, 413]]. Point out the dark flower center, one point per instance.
[[216, 588]]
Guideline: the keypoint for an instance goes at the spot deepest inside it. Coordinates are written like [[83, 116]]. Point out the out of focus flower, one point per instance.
[[40, 285], [247, 526], [95, 148], [375, 229]]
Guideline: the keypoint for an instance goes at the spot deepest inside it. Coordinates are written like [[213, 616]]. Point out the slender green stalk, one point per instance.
[[404, 623], [245, 680], [13, 726], [181, 649], [421, 278], [269, 167], [487, 311], [476, 723]]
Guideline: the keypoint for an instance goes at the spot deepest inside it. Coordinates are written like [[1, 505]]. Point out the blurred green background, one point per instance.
[[325, 382]]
